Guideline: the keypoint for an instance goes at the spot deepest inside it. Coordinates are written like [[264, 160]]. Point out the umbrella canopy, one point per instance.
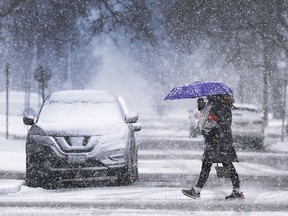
[[198, 89]]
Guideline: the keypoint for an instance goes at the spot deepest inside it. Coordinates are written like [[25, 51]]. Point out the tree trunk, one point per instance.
[[266, 72]]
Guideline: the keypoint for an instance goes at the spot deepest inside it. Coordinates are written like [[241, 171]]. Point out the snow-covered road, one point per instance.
[[163, 173]]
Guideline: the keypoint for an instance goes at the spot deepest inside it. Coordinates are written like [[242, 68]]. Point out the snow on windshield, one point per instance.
[[82, 96], [79, 112], [81, 106]]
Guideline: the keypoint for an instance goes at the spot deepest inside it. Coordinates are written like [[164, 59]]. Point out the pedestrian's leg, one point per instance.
[[236, 192], [204, 174], [234, 175]]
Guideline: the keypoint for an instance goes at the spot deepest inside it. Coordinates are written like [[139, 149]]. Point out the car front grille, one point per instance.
[[51, 160], [77, 141], [76, 144]]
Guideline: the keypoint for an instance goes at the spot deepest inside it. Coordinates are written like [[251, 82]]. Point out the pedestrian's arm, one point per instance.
[[217, 110]]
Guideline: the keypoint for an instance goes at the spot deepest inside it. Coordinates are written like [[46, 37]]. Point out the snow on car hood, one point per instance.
[[82, 128]]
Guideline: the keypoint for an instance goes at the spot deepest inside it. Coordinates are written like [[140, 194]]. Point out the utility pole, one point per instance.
[[284, 106], [7, 100], [266, 73]]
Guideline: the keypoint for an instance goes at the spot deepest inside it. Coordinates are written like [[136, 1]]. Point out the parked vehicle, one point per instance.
[[248, 125], [81, 136], [194, 130]]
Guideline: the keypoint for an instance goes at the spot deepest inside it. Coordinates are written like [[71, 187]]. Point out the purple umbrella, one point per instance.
[[198, 89]]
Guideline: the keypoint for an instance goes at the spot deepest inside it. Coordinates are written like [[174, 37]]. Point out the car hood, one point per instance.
[[79, 129]]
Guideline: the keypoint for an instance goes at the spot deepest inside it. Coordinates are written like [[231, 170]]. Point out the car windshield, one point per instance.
[[79, 111]]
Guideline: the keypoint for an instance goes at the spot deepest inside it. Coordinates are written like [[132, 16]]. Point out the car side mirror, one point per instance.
[[28, 120], [131, 118], [137, 127]]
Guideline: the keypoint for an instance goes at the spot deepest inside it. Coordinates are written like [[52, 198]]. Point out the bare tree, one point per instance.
[[8, 6], [252, 34], [55, 29]]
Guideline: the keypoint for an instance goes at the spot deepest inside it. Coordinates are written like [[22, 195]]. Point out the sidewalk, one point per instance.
[[12, 165], [8, 186]]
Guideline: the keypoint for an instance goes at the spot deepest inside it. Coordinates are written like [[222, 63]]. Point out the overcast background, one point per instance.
[[142, 48]]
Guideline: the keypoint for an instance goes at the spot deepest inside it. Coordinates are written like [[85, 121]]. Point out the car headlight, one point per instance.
[[116, 155]]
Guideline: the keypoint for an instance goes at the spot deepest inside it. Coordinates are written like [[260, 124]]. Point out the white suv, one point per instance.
[[81, 136], [248, 125]]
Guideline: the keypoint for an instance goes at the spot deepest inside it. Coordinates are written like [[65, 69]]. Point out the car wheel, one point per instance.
[[125, 177], [258, 143], [135, 169], [34, 175]]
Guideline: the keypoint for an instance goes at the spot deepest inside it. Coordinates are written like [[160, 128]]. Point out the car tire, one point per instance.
[[258, 143], [34, 175], [125, 177], [135, 169]]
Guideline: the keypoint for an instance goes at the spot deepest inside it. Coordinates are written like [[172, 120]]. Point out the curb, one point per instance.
[[8, 186]]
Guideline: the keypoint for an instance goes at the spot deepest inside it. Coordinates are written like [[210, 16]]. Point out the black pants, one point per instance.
[[206, 168]]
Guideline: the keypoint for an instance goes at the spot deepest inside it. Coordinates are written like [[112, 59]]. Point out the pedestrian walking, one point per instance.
[[215, 124]]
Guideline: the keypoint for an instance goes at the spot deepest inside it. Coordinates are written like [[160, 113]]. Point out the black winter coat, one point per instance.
[[219, 141]]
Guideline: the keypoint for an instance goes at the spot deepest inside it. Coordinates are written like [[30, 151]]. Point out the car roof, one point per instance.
[[91, 96]]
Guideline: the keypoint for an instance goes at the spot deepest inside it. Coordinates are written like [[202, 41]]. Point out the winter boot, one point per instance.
[[191, 193], [235, 195]]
